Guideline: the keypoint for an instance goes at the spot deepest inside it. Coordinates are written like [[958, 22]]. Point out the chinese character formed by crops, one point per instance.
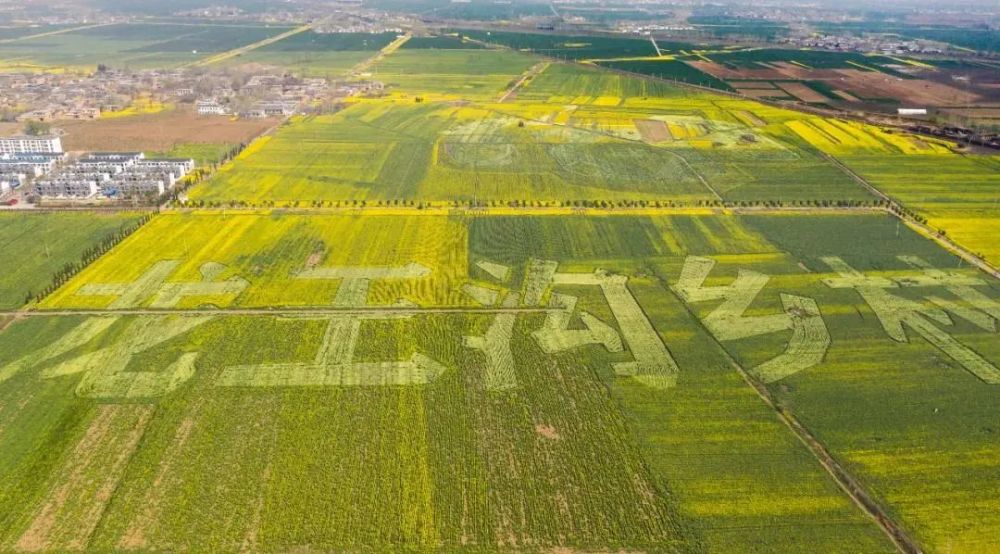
[[894, 311], [334, 364], [810, 338], [652, 364], [105, 373]]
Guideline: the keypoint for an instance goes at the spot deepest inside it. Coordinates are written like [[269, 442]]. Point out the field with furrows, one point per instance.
[[498, 382], [143, 45], [38, 248], [506, 304], [617, 141]]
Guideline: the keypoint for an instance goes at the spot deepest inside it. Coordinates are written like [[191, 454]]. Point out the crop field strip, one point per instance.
[[37, 247], [495, 270], [137, 45], [529, 374], [215, 273], [509, 144]]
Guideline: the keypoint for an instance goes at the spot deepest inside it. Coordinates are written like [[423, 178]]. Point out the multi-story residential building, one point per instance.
[[66, 187], [25, 144], [170, 164], [117, 175]]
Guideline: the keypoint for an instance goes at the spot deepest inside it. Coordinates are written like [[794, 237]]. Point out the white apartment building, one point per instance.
[[28, 144], [66, 187]]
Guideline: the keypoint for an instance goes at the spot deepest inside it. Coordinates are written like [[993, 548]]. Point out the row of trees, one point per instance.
[[607, 204], [88, 256], [172, 197]]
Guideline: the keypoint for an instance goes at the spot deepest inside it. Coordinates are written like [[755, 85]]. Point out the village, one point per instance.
[[35, 165], [47, 97], [41, 162]]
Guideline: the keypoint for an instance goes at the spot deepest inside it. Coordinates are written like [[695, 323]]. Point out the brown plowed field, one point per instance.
[[158, 132]]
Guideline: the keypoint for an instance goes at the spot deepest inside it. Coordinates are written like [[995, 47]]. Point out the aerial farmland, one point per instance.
[[526, 292]]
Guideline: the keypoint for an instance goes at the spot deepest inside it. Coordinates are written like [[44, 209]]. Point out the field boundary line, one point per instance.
[[378, 56], [696, 174], [529, 73], [924, 229], [443, 208], [278, 311], [840, 475], [656, 46], [222, 56], [52, 33], [844, 480]]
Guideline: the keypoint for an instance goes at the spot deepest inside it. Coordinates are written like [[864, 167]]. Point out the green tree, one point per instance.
[[35, 128]]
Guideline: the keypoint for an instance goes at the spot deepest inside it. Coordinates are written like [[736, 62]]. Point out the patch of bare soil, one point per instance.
[[547, 431], [314, 259], [159, 131], [802, 92], [653, 130], [911, 92]]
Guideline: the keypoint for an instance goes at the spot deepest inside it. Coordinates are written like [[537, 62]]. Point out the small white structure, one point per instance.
[[25, 144], [912, 111], [211, 107]]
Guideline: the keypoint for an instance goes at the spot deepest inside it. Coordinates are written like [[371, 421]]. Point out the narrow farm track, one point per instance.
[[444, 208], [844, 479], [532, 72], [847, 482], [656, 46], [299, 312], [216, 58], [385, 51], [447, 209]]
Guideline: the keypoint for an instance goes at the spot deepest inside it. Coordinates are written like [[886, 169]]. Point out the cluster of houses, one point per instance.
[[264, 96], [257, 110], [278, 96], [42, 162], [63, 96], [52, 96], [867, 44], [114, 175]]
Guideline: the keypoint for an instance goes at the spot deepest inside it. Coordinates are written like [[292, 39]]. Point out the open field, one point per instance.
[[441, 152], [132, 45], [673, 70], [327, 64], [568, 84], [20, 31], [34, 247], [159, 132], [618, 138], [443, 42], [312, 54], [956, 193], [472, 74], [510, 305], [566, 46], [613, 416]]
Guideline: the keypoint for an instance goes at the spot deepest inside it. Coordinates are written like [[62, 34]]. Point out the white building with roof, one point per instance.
[[26, 144]]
